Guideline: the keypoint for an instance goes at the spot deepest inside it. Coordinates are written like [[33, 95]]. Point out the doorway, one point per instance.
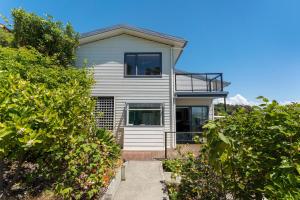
[[189, 122]]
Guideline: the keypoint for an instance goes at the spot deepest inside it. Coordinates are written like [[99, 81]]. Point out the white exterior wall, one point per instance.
[[107, 58], [144, 138]]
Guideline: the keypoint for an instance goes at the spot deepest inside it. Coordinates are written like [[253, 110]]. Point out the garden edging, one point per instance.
[[113, 186]]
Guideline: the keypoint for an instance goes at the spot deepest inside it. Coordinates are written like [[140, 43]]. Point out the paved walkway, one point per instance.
[[144, 180]]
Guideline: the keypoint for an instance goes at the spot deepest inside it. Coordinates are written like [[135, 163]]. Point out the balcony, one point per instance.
[[200, 84]]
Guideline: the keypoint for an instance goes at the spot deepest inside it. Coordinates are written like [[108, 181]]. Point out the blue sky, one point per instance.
[[256, 44]]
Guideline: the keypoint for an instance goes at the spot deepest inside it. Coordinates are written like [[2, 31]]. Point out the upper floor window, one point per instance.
[[143, 64]]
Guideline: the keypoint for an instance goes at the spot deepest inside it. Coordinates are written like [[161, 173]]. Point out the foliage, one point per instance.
[[49, 37], [40, 103], [90, 167], [251, 154], [258, 151], [199, 181], [230, 109], [6, 37], [173, 165], [172, 191], [46, 117]]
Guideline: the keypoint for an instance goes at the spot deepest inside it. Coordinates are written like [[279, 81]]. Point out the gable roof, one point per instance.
[[112, 31]]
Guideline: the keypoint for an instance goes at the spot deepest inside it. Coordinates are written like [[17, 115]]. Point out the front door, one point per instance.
[[189, 122]]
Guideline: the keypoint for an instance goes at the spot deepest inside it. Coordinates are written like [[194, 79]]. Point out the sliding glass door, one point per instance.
[[199, 117], [189, 122]]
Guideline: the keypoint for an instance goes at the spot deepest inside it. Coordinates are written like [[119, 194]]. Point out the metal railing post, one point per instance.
[[175, 82], [192, 83], [166, 146], [221, 82], [206, 82]]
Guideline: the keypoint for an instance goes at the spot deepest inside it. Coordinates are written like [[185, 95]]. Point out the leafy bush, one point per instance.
[[6, 37], [49, 37], [251, 154], [258, 151], [90, 166], [46, 117], [172, 191], [173, 165], [47, 114], [199, 181], [41, 103]]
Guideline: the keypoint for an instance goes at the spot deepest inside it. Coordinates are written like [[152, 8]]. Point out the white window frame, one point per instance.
[[161, 108]]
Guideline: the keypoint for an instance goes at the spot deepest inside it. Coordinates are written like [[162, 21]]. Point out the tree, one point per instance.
[[49, 37], [230, 109]]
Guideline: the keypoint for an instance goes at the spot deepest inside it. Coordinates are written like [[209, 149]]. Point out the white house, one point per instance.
[[139, 90]]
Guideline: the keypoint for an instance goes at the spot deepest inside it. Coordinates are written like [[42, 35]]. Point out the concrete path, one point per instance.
[[144, 180]]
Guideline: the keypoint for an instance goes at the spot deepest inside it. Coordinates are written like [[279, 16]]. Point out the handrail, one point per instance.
[[189, 82]]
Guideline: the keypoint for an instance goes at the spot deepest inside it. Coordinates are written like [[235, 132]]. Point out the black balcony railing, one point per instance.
[[199, 82]]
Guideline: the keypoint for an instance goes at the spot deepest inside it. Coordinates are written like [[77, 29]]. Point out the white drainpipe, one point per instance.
[[171, 94], [172, 91]]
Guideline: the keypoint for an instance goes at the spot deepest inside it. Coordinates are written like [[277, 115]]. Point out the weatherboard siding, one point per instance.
[[144, 138], [107, 58]]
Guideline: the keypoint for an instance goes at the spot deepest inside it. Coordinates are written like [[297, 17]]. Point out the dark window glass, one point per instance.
[[189, 122], [144, 114], [149, 64], [143, 64], [199, 117], [144, 117], [130, 64]]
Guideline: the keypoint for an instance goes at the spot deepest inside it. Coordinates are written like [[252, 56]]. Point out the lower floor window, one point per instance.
[[144, 114]]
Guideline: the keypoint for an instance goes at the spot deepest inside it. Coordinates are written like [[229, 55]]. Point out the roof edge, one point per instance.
[[148, 32]]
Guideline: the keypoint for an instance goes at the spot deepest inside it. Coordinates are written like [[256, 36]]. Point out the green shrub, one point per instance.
[[39, 104], [258, 151], [172, 191], [251, 154], [47, 118], [199, 181], [90, 166], [47, 114], [6, 37], [173, 165]]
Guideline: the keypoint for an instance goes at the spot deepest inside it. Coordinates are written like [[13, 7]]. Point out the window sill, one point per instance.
[[144, 126], [146, 76]]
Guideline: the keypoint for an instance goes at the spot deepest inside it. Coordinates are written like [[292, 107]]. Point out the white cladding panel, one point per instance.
[[144, 138], [107, 58]]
